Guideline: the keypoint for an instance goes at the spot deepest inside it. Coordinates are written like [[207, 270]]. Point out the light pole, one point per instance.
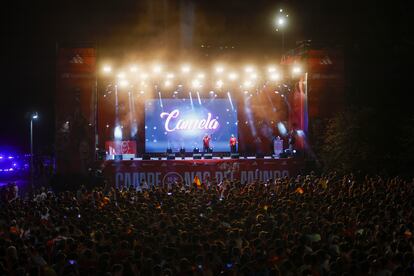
[[33, 116], [281, 21]]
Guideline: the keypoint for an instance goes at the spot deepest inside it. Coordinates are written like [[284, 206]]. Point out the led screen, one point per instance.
[[182, 123]]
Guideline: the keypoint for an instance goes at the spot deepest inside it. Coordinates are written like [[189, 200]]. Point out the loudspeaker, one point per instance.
[[171, 156], [196, 150], [169, 150], [283, 155], [146, 157], [208, 156], [234, 156], [259, 155], [197, 156], [118, 156]]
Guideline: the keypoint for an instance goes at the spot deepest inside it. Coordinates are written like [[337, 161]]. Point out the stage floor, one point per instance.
[[160, 172]]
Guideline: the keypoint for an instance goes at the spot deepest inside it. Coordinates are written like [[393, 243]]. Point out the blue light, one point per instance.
[[118, 133], [282, 128]]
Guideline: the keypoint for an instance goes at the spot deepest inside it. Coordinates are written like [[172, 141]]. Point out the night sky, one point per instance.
[[377, 39]]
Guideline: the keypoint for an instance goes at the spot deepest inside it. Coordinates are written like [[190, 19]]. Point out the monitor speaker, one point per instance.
[[234, 156], [118, 156], [171, 156], [208, 156], [283, 155], [259, 155], [197, 156], [146, 157]]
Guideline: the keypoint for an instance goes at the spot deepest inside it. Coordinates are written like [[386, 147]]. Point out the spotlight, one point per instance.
[[133, 69], [167, 83], [219, 84], [201, 75], [274, 76], [144, 76], [271, 69], [233, 76], [107, 69], [196, 84], [157, 69], [121, 75], [219, 69], [170, 76], [123, 83], [247, 84], [186, 68], [248, 69], [296, 70]]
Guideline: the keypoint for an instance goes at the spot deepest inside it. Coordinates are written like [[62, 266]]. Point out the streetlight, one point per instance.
[[281, 22], [33, 116]]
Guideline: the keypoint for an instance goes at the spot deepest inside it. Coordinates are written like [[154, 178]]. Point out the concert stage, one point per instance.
[[160, 172]]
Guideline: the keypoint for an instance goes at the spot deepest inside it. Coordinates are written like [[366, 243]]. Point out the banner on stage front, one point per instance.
[[162, 172]]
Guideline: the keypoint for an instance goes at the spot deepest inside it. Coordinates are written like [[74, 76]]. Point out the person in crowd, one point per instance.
[[311, 224]]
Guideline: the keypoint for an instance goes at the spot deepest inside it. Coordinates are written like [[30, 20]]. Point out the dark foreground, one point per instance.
[[330, 225]]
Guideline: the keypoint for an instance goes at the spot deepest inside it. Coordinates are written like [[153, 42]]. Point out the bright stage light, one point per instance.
[[219, 84], [196, 84], [123, 83], [167, 83], [118, 133], [254, 76], [281, 10], [201, 75], [233, 76], [144, 76], [281, 21], [282, 128], [248, 69], [121, 75], [274, 76], [157, 69], [170, 76], [247, 83], [219, 69], [271, 69], [296, 70], [107, 69], [35, 116], [185, 68], [133, 69]]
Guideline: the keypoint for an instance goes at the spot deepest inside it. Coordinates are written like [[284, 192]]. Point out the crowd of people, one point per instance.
[[305, 225]]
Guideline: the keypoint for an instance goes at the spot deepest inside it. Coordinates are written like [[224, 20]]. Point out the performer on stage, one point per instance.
[[233, 143], [206, 143]]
